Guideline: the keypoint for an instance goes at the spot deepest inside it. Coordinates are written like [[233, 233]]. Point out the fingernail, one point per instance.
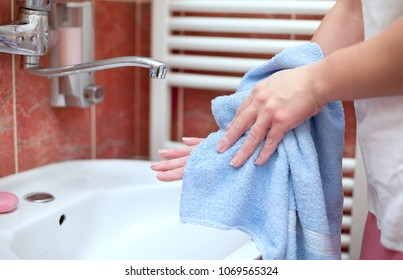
[[220, 147], [234, 161], [153, 164], [258, 162], [162, 152]]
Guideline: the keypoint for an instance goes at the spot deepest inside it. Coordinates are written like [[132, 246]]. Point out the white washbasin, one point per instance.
[[107, 209]]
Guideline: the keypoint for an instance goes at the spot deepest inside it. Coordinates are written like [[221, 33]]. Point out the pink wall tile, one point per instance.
[[114, 33], [47, 134], [350, 130], [7, 162], [142, 92], [37, 141], [198, 118]]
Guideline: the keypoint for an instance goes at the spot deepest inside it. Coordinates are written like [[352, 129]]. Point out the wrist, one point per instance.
[[320, 83]]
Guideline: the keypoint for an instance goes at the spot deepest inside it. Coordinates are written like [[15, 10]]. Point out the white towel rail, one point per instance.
[[228, 44], [200, 81], [253, 7], [213, 63], [243, 25]]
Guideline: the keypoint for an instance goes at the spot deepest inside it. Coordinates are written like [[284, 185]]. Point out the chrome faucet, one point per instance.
[[28, 36], [157, 68]]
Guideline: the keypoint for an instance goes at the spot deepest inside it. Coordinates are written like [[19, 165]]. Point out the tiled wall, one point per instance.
[[32, 133]]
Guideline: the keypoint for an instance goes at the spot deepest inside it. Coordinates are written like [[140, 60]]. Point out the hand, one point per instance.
[[172, 168], [276, 105]]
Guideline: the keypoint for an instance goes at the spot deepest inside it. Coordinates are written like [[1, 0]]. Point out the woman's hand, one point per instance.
[[172, 168], [276, 105]]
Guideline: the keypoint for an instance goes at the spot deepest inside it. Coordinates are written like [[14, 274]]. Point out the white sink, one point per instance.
[[107, 209]]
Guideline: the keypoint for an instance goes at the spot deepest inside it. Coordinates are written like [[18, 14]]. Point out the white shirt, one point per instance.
[[380, 134]]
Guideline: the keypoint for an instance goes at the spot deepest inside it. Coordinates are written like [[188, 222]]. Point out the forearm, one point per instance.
[[341, 27], [372, 68]]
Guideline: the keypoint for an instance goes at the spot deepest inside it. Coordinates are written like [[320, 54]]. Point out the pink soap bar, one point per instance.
[[8, 202]]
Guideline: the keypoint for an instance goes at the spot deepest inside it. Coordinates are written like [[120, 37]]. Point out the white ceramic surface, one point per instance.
[[107, 209]]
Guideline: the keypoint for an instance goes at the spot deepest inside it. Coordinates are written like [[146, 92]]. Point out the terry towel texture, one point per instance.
[[291, 206]]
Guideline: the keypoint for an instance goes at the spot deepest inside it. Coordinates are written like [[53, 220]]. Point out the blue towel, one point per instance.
[[292, 205]]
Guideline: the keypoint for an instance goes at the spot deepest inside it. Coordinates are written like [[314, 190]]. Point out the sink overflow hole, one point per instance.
[[62, 219]]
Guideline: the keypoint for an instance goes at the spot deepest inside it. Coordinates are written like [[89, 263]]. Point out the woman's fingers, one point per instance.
[[170, 170], [171, 175], [192, 141], [255, 136], [255, 115], [166, 165], [172, 167], [270, 145], [237, 128], [174, 153]]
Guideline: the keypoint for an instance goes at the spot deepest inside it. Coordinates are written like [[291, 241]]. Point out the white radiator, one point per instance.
[[180, 26]]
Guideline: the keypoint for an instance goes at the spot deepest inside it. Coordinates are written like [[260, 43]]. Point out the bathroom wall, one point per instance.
[[32, 133]]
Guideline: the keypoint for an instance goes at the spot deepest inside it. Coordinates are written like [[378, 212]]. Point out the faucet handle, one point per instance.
[[38, 5]]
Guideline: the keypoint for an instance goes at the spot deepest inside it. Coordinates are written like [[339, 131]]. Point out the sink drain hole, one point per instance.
[[39, 197], [62, 219]]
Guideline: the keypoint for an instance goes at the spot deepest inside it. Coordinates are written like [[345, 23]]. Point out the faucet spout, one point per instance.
[[157, 68]]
